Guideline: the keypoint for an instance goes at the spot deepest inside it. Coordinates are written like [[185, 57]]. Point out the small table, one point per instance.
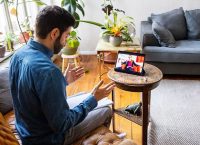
[[134, 83], [105, 47], [67, 57]]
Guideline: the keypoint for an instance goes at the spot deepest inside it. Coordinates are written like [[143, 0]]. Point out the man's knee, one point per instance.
[[106, 111], [109, 112], [107, 115]]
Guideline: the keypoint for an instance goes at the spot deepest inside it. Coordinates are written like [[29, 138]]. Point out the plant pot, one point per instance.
[[115, 41], [2, 51], [10, 45], [69, 51], [106, 38]]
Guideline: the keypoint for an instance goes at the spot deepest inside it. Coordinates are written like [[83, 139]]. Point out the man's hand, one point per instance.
[[100, 93], [73, 73]]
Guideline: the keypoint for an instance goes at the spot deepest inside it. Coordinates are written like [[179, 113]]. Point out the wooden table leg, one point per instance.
[[113, 108], [75, 62], [145, 115], [99, 63], [63, 65]]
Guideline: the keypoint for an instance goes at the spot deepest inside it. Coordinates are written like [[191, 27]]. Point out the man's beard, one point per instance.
[[57, 46]]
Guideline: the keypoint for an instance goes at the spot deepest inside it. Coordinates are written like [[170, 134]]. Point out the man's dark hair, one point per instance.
[[52, 17]]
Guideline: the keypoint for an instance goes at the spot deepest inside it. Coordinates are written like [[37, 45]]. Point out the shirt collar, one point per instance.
[[38, 46]]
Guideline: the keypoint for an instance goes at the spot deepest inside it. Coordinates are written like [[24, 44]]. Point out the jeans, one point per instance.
[[96, 118]]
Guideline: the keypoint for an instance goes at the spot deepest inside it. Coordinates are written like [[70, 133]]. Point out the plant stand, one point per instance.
[[66, 60]]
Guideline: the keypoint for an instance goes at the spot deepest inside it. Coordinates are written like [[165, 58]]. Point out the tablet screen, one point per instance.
[[130, 62]]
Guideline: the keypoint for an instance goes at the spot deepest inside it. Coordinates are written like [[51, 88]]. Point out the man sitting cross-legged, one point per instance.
[[38, 87]]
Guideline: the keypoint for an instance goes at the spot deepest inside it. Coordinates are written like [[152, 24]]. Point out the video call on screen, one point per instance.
[[130, 63]]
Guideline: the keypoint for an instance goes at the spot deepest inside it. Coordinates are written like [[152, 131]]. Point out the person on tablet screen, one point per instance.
[[130, 63]]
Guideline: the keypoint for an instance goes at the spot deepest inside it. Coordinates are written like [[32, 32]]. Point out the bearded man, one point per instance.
[[38, 87]]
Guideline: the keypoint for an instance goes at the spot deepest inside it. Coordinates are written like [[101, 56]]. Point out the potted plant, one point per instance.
[[9, 41], [72, 44], [26, 31], [115, 29]]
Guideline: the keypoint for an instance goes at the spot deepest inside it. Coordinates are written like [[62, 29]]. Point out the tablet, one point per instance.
[[131, 63]]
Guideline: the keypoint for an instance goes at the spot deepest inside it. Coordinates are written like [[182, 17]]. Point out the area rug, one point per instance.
[[175, 113]]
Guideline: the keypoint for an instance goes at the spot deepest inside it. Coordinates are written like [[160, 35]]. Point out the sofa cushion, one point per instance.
[[164, 36], [186, 51], [5, 95], [174, 21], [193, 23], [6, 135]]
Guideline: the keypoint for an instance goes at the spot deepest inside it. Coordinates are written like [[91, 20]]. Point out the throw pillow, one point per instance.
[[174, 21], [6, 104], [193, 23], [164, 36], [5, 97], [6, 135]]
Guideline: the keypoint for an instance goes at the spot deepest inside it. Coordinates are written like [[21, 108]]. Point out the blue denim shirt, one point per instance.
[[39, 89]]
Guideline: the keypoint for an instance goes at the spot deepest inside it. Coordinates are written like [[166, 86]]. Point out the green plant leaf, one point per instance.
[[73, 43], [127, 36], [69, 5], [39, 3], [92, 22], [73, 33], [81, 3], [77, 18], [81, 9]]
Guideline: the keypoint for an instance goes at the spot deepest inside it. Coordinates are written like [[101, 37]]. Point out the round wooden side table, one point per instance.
[[135, 83]]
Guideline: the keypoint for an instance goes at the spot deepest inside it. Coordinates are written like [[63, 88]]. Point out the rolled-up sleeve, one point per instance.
[[51, 89]]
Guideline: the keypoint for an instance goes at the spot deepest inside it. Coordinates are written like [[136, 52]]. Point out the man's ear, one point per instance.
[[55, 33]]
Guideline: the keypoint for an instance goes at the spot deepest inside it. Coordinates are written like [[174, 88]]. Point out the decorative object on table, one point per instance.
[[134, 109], [121, 29], [72, 44], [118, 28]]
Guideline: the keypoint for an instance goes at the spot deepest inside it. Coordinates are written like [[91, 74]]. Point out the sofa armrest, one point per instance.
[[146, 36]]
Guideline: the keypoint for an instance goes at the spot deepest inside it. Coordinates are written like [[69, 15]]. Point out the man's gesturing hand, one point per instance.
[[100, 93], [73, 73]]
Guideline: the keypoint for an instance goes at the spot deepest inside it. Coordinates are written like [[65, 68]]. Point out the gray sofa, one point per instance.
[[184, 59]]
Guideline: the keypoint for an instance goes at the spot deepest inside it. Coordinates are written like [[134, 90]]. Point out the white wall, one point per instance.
[[138, 9]]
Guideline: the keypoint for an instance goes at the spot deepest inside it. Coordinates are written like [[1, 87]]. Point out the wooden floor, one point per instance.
[[123, 98]]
